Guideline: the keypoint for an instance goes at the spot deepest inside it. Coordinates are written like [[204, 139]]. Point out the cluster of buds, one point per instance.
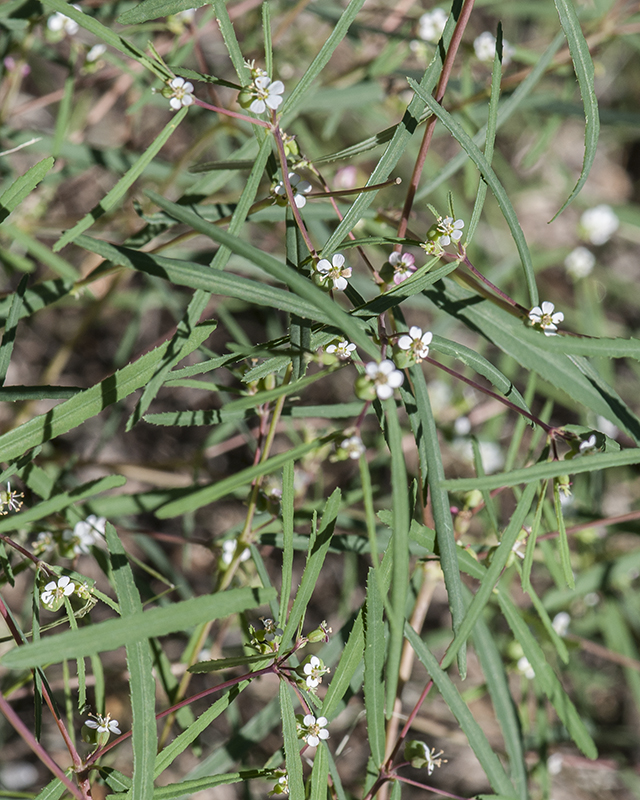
[[266, 641]]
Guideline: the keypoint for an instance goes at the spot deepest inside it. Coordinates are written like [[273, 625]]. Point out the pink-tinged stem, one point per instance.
[[441, 88], [429, 788], [228, 113]]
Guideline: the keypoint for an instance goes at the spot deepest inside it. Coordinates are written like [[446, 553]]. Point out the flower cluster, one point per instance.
[[10, 500], [331, 274], [442, 233], [61, 24], [485, 48], [298, 188], [598, 224], [351, 447], [431, 25], [229, 547], [379, 380], [282, 783], [268, 640], [544, 318], [312, 730]]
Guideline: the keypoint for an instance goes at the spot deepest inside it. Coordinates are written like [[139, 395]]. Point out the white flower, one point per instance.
[[182, 94], [385, 377], [544, 317], [267, 93], [86, 533], [598, 224], [485, 48], [342, 349], [54, 593], [60, 22], [525, 668], [554, 763], [403, 265], [561, 622], [431, 25], [580, 262], [450, 230], [588, 445], [229, 548], [282, 786], [10, 500], [417, 342], [312, 730], [96, 51], [353, 447], [298, 188], [334, 271], [103, 724], [314, 671]]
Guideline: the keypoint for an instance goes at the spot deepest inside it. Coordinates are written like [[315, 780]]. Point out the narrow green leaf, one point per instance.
[[320, 774], [41, 295], [52, 791], [225, 663], [113, 633], [546, 678], [484, 752], [318, 546], [288, 499], [475, 154], [42, 252], [583, 66], [546, 470], [563, 541], [424, 429], [115, 195], [299, 284], [374, 661], [505, 709], [142, 691], [400, 544], [230, 40], [9, 334], [107, 36], [291, 742], [492, 575], [153, 9], [23, 186], [193, 499]]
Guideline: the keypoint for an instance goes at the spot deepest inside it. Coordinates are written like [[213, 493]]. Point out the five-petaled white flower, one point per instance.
[[403, 265], [85, 534], [385, 377], [431, 25], [334, 271], [485, 48], [103, 724], [314, 670], [450, 230], [580, 262], [544, 317], [182, 94], [54, 593], [342, 349], [598, 224], [267, 94], [312, 730], [298, 188], [353, 447], [416, 342], [10, 500]]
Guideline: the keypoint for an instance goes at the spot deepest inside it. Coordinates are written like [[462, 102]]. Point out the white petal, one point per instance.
[[315, 661], [395, 258], [51, 586], [322, 721], [405, 342], [175, 104], [113, 726], [323, 733], [387, 366], [340, 284], [277, 87], [323, 265], [273, 101], [300, 200], [187, 100], [396, 379], [384, 391], [188, 86], [304, 187], [313, 741], [294, 178], [257, 107], [338, 260], [371, 369], [547, 307], [309, 719], [456, 235], [415, 332], [64, 580], [70, 589], [536, 311], [557, 317], [262, 81], [427, 337], [176, 83]]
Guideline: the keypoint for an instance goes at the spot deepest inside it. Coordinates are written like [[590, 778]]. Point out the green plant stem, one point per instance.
[[441, 88]]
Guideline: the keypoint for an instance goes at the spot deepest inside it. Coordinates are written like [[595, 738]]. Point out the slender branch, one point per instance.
[[228, 113]]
